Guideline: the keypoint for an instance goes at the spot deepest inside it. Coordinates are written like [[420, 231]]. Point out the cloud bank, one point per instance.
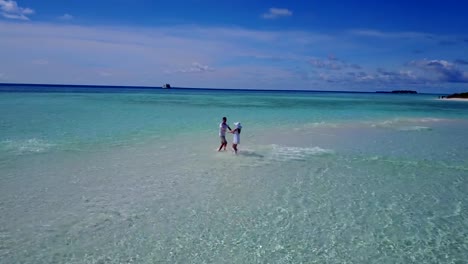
[[10, 9], [443, 70], [223, 57]]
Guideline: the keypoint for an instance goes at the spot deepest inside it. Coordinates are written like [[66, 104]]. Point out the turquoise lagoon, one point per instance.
[[114, 175]]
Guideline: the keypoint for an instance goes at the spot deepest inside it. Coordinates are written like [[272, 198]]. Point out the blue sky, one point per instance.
[[316, 45]]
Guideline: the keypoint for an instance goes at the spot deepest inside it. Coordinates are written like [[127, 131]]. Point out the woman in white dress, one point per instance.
[[236, 137]]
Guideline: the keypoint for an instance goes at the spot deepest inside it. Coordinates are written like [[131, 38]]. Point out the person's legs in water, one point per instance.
[[234, 146], [223, 143]]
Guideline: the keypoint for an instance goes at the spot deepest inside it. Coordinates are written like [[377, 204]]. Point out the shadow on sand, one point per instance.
[[248, 153]]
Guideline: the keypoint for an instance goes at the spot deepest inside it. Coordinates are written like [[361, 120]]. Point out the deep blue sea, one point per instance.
[[132, 175]]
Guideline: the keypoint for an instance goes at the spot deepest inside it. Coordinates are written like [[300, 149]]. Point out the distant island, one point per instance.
[[399, 92], [455, 96]]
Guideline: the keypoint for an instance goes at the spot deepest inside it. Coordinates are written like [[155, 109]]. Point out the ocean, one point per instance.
[[120, 175]]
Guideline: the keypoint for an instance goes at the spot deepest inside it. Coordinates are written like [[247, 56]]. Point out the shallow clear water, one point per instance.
[[133, 176]]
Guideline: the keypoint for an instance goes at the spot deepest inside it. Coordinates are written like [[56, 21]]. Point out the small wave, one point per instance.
[[389, 123], [429, 119], [322, 124], [32, 145], [414, 128], [406, 124], [308, 126], [402, 121], [282, 153]]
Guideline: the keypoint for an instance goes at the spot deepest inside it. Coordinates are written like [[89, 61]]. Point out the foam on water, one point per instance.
[[399, 122], [265, 155], [26, 146], [323, 124], [414, 128], [284, 153]]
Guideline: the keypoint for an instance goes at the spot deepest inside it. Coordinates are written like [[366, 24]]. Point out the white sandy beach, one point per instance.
[[454, 99]]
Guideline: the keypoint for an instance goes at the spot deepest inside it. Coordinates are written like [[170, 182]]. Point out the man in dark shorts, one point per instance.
[[222, 133]]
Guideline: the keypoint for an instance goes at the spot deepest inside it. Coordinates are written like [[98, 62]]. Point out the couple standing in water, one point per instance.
[[222, 134]]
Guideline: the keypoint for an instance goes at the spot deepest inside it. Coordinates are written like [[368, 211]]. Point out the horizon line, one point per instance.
[[194, 88]]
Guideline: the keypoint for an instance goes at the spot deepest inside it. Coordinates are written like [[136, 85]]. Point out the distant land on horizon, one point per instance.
[[399, 92], [457, 96]]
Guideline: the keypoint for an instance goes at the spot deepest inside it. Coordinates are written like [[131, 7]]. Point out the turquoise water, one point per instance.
[[119, 176]]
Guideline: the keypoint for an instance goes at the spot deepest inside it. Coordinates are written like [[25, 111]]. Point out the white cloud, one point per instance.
[[195, 67], [276, 13], [332, 63], [10, 9], [378, 77], [445, 71], [66, 17]]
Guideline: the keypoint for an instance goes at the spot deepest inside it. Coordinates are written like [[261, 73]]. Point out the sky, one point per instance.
[[301, 45]]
